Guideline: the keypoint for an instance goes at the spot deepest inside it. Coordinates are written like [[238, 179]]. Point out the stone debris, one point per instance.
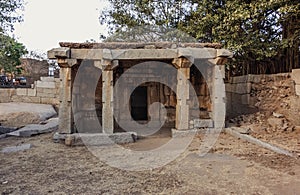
[[277, 115], [35, 129], [16, 148], [244, 130]]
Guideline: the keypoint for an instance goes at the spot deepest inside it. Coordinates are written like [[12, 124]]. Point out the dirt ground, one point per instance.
[[231, 167]]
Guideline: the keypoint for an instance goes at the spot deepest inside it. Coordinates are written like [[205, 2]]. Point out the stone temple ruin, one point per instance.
[[90, 104]]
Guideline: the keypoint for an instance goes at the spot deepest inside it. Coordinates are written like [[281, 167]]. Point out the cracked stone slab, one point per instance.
[[19, 148], [35, 129]]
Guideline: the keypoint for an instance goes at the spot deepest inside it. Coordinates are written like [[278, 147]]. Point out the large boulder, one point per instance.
[[22, 114]]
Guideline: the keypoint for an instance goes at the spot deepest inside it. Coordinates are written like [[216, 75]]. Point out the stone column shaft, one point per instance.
[[182, 107], [107, 102], [65, 107]]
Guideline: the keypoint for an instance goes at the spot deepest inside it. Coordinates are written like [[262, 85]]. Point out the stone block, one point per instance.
[[47, 100], [35, 129], [42, 84], [297, 88], [21, 91], [100, 139], [4, 93], [36, 100], [46, 95], [62, 52], [242, 88], [224, 53], [57, 80], [246, 99], [203, 123], [31, 92], [49, 91], [255, 78], [39, 90], [296, 76], [47, 79], [16, 148]]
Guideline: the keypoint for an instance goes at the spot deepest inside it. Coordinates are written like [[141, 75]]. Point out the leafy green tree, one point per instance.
[[10, 53], [10, 49], [263, 34]]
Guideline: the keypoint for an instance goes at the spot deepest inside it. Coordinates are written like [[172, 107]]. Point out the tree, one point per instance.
[[9, 15], [262, 33], [10, 54], [10, 49]]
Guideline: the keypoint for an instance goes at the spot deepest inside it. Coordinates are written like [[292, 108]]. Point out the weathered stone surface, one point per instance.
[[137, 45], [276, 122], [62, 52], [244, 130], [48, 79], [21, 114], [16, 148], [296, 76], [57, 137], [21, 91], [42, 84], [35, 129], [107, 99], [92, 54], [65, 109], [297, 88], [203, 123], [31, 92], [224, 53], [100, 139], [4, 130]]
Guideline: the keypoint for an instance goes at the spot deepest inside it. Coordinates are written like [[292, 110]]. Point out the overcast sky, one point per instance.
[[47, 22]]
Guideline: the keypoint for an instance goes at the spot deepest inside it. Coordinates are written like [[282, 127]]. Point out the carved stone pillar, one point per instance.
[[66, 122], [107, 102], [182, 108]]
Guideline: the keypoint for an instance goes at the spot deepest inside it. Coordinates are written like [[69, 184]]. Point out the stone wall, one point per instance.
[[296, 78], [44, 91], [241, 92]]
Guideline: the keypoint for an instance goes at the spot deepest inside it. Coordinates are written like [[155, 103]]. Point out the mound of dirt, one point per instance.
[[277, 120]]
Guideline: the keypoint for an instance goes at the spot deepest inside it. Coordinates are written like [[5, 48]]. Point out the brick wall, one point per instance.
[[44, 91]]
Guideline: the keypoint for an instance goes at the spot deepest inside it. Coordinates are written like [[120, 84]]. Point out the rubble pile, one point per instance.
[[274, 122]]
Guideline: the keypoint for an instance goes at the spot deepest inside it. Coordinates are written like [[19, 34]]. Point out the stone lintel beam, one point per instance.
[[224, 53], [62, 52], [106, 64], [66, 63], [146, 54], [219, 61], [87, 54], [182, 62]]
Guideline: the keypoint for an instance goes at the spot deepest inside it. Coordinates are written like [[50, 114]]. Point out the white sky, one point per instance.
[[48, 22]]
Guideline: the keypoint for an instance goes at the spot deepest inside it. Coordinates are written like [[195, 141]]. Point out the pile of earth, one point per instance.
[[277, 120]]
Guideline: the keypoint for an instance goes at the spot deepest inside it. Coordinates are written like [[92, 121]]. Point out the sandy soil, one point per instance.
[[232, 167]]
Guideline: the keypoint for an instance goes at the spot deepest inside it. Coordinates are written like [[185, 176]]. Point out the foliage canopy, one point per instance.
[[10, 49], [263, 34]]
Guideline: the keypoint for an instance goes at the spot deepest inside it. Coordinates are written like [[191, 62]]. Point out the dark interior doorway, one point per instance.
[[138, 102]]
